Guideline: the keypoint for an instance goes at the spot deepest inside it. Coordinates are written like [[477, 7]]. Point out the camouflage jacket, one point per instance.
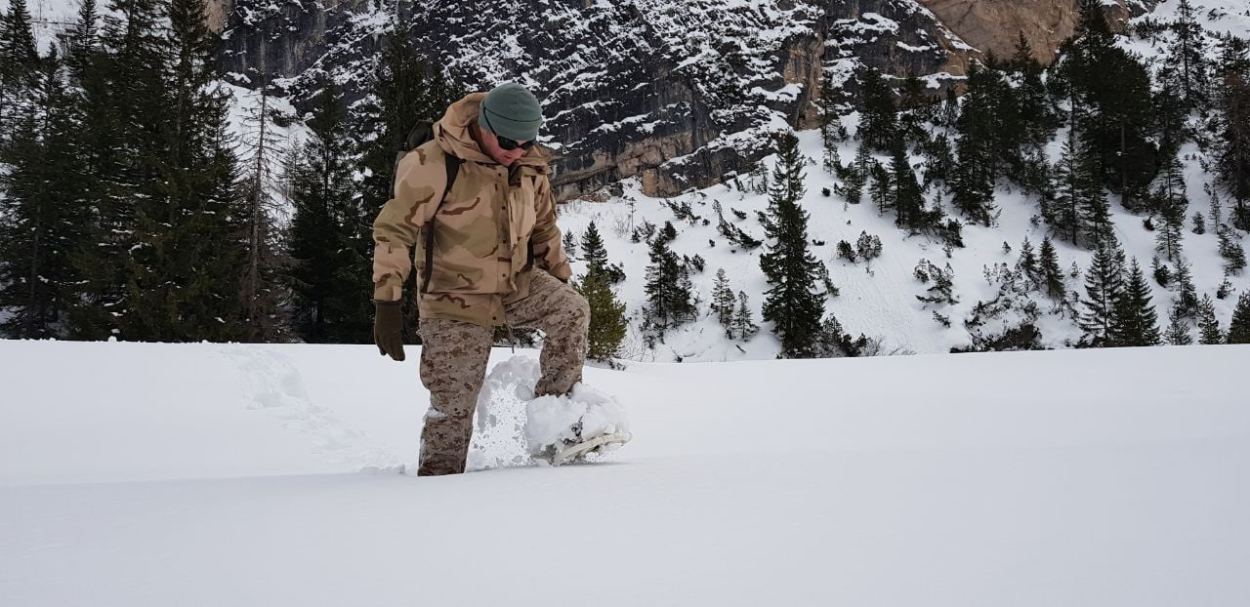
[[492, 221]]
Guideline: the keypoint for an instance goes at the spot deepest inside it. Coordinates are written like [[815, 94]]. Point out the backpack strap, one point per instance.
[[453, 168]]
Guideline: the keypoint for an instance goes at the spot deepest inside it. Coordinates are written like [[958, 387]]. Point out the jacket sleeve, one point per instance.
[[546, 239], [420, 180]]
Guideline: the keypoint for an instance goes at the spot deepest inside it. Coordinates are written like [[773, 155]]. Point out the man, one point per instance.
[[496, 259]]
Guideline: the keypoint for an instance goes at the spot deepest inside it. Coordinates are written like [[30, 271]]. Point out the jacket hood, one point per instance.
[[455, 136]]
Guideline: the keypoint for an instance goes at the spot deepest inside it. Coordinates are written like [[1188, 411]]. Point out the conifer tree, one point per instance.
[[98, 295], [40, 222], [908, 200], [742, 326], [593, 251], [1230, 249], [1113, 89], [1134, 322], [668, 298], [326, 277], [1208, 325], [975, 169], [722, 300], [129, 96], [1189, 55], [1172, 205], [1233, 156], [1028, 263], [1177, 332], [19, 63], [607, 317], [828, 122], [792, 302], [1104, 285], [1187, 293], [184, 275], [1064, 213], [1052, 276], [879, 125], [261, 289], [1239, 326], [1095, 212]]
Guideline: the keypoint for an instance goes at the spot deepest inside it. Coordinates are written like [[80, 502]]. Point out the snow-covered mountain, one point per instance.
[[265, 475], [636, 91]]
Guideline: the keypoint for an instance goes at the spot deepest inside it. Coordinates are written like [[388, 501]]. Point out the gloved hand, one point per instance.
[[388, 328]]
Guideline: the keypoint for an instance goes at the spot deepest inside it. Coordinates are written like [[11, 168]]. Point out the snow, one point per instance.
[[260, 475], [878, 298]]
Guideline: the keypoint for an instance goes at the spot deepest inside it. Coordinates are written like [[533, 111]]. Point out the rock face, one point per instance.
[[994, 26], [678, 94]]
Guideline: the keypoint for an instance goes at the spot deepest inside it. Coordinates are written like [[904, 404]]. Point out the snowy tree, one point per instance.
[[742, 326], [1239, 326], [1052, 276], [1208, 325], [1133, 320], [723, 301], [791, 303], [669, 300], [1104, 285]]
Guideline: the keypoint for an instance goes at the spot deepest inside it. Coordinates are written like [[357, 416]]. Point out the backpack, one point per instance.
[[422, 132]]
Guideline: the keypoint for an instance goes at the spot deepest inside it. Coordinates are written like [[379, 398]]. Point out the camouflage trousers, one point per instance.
[[453, 365]]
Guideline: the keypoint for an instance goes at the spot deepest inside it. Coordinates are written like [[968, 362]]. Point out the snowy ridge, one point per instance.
[[153, 478]]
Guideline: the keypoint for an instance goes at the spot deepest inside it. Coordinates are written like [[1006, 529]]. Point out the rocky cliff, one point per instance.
[[678, 94]]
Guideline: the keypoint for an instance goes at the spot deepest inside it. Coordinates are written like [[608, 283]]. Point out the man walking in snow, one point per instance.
[[488, 253]]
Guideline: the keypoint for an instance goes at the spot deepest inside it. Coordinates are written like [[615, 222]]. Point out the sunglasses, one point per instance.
[[506, 143]]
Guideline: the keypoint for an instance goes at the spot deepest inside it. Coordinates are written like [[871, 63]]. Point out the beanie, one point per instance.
[[513, 111]]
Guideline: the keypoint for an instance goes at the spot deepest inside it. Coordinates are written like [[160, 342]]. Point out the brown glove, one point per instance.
[[388, 328]]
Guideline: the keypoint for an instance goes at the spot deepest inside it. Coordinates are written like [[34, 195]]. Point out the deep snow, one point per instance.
[[136, 475]]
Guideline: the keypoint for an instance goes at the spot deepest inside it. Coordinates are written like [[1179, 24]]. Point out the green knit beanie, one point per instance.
[[513, 112]]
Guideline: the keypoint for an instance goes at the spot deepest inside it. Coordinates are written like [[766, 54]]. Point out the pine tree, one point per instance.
[[722, 300], [908, 200], [607, 317], [668, 298], [742, 326], [792, 303], [80, 39], [858, 174], [1208, 325], [1177, 333], [1028, 263], [1113, 89], [326, 278], [975, 170], [1233, 157], [184, 278], [882, 191], [1231, 250], [879, 125], [1064, 213], [1133, 321], [1189, 54], [1095, 212], [593, 251], [1052, 276], [829, 122], [262, 294], [1172, 206], [1239, 326], [1187, 294], [19, 63], [39, 218], [1104, 284]]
